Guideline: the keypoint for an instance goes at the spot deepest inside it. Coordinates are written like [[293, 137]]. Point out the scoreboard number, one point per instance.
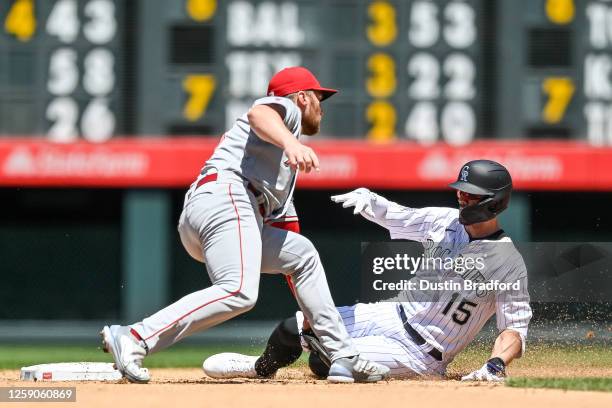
[[63, 112], [458, 123], [20, 20], [201, 10], [460, 70], [559, 91], [460, 30], [421, 124], [63, 22], [425, 70], [382, 116], [560, 11], [382, 82], [99, 76], [63, 72], [442, 85], [424, 27], [102, 24], [200, 89], [97, 122], [383, 29]]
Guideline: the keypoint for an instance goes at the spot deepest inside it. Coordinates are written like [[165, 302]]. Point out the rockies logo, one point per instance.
[[464, 173]]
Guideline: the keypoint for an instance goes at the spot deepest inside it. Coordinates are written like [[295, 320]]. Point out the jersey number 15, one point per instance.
[[462, 312]]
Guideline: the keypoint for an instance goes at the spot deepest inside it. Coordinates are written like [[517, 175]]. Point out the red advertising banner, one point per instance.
[[175, 162]]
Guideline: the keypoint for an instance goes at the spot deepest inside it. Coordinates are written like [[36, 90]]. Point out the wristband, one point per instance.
[[496, 366]]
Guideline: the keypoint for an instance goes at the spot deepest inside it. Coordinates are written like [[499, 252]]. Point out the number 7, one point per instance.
[[560, 91], [200, 89]]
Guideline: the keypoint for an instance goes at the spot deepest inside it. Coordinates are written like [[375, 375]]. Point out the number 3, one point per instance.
[[383, 30]]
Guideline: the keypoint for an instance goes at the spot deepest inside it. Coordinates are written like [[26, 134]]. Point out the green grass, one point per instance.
[[17, 356], [578, 356], [581, 384]]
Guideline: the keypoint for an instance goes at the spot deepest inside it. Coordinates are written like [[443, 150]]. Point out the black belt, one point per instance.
[[416, 337], [213, 177]]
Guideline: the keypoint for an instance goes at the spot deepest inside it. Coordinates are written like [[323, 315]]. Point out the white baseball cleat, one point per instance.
[[127, 352], [230, 365], [355, 369]]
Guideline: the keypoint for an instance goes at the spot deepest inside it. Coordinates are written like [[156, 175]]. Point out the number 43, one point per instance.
[[462, 313]]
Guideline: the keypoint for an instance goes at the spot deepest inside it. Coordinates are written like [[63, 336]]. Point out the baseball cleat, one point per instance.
[[127, 352], [355, 369], [230, 365]]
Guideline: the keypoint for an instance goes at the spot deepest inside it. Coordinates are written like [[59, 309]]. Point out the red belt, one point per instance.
[[213, 177], [206, 179]]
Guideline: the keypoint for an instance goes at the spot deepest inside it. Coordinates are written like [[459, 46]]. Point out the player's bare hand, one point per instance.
[[301, 157]]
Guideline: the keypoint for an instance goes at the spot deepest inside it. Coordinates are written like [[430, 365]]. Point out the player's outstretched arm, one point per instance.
[[370, 205], [267, 123], [507, 347], [402, 222]]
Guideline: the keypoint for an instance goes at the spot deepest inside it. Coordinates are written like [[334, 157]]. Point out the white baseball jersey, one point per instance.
[[262, 163], [452, 322], [447, 319]]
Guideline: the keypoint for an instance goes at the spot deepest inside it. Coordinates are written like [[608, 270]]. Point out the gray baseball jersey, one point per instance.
[[221, 225], [260, 162]]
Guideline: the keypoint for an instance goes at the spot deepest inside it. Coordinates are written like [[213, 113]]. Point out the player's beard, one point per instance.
[[311, 120], [310, 125], [310, 128]]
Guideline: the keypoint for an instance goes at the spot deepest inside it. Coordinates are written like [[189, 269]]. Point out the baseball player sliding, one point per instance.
[[414, 334], [239, 219]]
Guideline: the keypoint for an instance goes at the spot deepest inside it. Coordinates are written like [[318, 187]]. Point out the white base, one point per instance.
[[70, 372]]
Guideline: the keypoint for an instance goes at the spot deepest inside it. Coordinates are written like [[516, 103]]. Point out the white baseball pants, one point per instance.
[[379, 335], [221, 226]]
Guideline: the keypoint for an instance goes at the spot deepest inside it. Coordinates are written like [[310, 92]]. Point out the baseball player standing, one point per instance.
[[239, 219], [412, 334]]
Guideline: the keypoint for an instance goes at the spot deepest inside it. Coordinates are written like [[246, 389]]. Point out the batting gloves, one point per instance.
[[368, 204], [492, 370]]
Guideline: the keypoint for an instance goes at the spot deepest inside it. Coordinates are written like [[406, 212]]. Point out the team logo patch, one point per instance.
[[464, 173]]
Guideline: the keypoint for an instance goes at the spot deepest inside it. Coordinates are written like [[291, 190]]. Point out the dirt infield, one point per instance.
[[294, 387]]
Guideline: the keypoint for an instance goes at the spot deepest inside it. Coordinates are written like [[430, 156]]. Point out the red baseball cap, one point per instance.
[[294, 79]]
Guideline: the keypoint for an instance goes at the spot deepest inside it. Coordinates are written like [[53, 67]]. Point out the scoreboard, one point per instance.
[[428, 71], [61, 69], [555, 70]]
